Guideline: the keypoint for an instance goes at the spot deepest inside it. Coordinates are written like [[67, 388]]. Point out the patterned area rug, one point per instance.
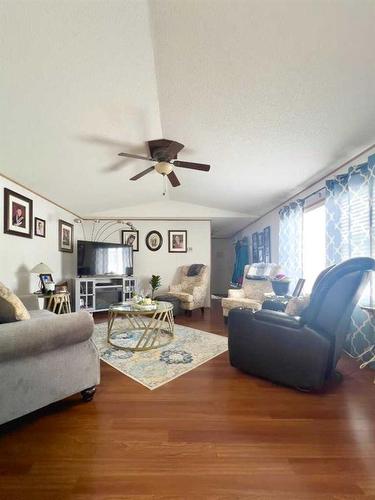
[[189, 349]]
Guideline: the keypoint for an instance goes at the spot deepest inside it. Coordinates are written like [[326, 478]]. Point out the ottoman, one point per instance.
[[173, 300]]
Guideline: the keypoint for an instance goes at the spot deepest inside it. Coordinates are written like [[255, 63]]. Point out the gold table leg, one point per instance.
[[160, 322]]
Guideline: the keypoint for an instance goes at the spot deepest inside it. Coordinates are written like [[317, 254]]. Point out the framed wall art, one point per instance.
[[66, 234], [18, 214], [131, 238], [154, 240], [45, 279], [177, 241], [254, 247], [39, 227], [267, 245]]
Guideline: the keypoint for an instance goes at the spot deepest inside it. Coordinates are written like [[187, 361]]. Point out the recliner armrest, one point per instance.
[[278, 318]]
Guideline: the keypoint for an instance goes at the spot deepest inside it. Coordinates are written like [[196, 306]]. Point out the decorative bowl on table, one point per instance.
[[280, 285], [145, 304]]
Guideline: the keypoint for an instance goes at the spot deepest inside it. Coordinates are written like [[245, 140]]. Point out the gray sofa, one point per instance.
[[45, 359]]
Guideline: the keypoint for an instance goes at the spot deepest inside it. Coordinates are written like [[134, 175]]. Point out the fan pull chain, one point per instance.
[[164, 184]]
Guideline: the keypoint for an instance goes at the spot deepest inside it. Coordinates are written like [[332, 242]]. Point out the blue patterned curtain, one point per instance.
[[290, 241], [350, 205]]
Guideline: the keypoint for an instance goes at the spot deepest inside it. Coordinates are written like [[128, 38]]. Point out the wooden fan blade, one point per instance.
[[194, 166], [173, 179], [138, 157], [138, 176]]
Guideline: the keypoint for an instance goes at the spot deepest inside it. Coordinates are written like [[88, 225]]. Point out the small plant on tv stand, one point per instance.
[[155, 283]]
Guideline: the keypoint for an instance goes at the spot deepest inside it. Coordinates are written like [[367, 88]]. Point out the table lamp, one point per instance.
[[41, 269]]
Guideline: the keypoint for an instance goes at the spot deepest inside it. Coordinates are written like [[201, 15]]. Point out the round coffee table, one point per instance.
[[151, 328]]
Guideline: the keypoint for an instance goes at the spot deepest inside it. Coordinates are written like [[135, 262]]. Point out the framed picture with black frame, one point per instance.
[[154, 241], [177, 241], [44, 280], [39, 227], [267, 245], [260, 246], [18, 214], [254, 247], [65, 236], [130, 238]]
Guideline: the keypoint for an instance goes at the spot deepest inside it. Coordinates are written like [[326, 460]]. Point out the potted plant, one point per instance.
[[280, 284], [155, 283]]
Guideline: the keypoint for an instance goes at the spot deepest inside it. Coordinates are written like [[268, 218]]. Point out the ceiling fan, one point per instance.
[[164, 152]]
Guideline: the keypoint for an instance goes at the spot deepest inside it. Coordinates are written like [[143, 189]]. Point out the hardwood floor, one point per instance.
[[213, 433]]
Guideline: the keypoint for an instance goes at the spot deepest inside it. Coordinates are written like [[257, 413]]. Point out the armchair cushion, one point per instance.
[[236, 294], [233, 302], [175, 289], [189, 283], [184, 297], [256, 289]]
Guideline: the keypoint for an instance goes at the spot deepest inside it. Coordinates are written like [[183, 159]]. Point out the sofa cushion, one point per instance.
[[189, 283], [11, 307], [232, 302], [255, 290], [184, 297]]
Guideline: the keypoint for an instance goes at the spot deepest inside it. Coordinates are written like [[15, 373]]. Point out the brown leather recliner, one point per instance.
[[301, 352]]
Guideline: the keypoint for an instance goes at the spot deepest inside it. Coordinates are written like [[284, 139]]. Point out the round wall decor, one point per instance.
[[154, 240]]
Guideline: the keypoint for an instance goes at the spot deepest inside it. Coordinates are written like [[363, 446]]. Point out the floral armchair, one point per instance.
[[252, 293], [191, 290]]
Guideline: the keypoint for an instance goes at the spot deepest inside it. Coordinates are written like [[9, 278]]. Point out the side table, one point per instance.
[[58, 303]]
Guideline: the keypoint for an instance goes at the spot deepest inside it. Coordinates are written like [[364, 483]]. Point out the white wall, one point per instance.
[[222, 264], [162, 262], [272, 219], [18, 255]]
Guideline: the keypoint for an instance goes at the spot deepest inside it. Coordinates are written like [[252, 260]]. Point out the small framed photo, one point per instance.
[[65, 236], [154, 240], [130, 238], [261, 238], [177, 241], [39, 227], [18, 214], [45, 279]]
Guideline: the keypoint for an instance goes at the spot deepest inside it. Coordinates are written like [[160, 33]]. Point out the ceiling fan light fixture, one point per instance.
[[164, 168]]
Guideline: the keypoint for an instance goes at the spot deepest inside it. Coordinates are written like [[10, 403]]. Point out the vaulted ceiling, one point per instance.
[[271, 93]]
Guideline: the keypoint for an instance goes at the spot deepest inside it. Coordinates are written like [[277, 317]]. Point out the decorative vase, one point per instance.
[[280, 287]]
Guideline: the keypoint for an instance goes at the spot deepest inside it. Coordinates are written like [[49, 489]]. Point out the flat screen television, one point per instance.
[[104, 259]]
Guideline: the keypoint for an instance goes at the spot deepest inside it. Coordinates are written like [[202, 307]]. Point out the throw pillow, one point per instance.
[[11, 307]]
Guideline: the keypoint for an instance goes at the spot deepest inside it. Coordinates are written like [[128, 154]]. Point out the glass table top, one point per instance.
[[133, 307]]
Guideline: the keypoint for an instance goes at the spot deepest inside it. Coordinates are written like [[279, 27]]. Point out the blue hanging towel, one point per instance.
[[241, 260]]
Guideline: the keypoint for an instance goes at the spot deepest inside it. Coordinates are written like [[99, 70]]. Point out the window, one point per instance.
[[314, 244]]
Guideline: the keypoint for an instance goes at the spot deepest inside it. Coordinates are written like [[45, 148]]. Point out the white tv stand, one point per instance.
[[96, 293]]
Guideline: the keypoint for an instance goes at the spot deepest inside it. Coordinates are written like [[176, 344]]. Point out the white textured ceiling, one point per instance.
[[269, 92]]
